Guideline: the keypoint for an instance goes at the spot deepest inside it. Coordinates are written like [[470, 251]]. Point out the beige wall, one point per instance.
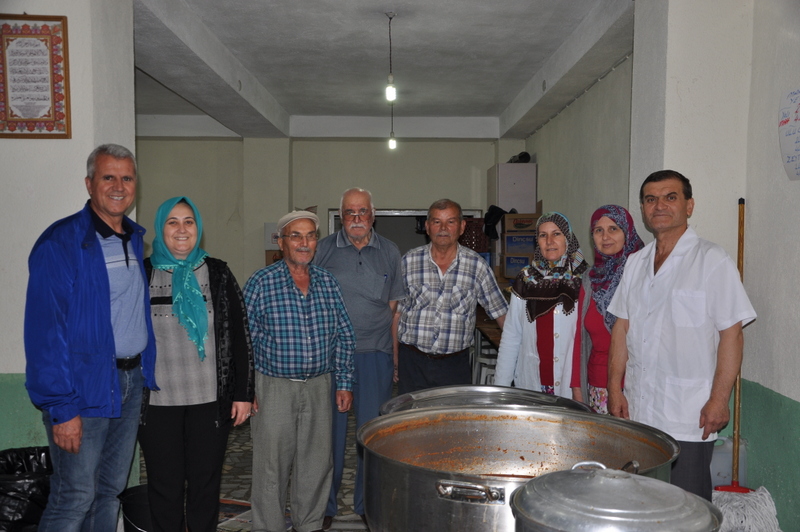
[[583, 153], [412, 176], [266, 195], [210, 173], [239, 185]]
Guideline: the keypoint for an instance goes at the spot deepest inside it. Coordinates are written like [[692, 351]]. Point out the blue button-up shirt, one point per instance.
[[297, 336]]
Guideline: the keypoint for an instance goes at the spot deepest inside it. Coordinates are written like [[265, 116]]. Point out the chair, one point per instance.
[[484, 360]]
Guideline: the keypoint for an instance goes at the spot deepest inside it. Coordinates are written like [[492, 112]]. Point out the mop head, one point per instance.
[[746, 512]]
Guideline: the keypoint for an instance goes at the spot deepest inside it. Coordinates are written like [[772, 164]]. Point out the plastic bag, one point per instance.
[[24, 487]]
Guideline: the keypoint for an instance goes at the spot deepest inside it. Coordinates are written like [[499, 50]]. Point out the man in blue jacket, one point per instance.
[[89, 345]]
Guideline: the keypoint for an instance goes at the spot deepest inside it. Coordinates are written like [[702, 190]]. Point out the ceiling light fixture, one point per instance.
[[391, 92], [392, 141]]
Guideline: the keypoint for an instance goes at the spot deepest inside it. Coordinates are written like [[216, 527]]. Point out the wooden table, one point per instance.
[[488, 327]]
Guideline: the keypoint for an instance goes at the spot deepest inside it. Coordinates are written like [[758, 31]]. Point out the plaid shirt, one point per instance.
[[438, 313], [298, 336]]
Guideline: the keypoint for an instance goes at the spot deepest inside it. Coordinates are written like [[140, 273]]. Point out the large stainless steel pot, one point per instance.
[[477, 395], [451, 468], [605, 500]]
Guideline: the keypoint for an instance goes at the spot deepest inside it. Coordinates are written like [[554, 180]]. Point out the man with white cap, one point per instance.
[[301, 335]]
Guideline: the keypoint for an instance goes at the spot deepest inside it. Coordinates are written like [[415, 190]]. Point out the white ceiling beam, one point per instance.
[[181, 126], [602, 38], [181, 53]]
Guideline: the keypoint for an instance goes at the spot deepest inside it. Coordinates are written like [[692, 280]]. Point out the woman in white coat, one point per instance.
[[536, 349]]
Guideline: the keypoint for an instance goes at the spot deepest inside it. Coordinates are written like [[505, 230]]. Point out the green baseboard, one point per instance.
[[21, 423], [769, 424]]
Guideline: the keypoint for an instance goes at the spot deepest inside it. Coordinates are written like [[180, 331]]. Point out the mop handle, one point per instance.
[[737, 388]]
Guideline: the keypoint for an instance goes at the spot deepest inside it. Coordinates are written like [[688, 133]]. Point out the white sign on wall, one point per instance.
[[271, 235], [789, 132]]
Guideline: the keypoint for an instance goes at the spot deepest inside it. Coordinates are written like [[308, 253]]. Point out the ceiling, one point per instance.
[[302, 68]]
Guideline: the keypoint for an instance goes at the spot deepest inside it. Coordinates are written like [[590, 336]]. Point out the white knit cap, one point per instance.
[[286, 219]]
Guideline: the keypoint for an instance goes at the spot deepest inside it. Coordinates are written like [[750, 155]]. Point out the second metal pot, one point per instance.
[[591, 498]]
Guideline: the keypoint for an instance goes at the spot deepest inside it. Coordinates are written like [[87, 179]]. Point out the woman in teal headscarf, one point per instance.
[[204, 367]]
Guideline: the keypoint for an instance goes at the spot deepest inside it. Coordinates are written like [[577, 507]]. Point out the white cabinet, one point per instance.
[[512, 186]]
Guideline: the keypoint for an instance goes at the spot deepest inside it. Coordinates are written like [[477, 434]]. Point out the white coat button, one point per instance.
[[558, 383], [555, 335]]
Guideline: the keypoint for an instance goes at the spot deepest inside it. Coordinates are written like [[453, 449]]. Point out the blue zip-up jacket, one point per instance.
[[69, 340]]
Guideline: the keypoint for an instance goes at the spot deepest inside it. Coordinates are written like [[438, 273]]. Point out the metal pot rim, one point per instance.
[[407, 400], [380, 422]]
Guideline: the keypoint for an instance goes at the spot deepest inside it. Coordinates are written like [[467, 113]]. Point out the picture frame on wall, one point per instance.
[[34, 77]]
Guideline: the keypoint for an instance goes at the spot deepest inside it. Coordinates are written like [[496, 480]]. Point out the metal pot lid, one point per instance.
[[471, 395], [610, 500]]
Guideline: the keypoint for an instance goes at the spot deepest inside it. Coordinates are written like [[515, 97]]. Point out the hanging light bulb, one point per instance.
[[391, 92], [392, 141]]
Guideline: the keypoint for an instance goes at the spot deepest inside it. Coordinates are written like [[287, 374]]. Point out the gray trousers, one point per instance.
[[692, 470], [291, 435]]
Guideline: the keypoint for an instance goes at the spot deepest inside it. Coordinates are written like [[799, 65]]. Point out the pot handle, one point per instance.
[[469, 492], [589, 464], [633, 465]]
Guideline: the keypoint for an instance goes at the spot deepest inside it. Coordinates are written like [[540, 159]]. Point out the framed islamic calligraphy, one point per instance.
[[34, 77]]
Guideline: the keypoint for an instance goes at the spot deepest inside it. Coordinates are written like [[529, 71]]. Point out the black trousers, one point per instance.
[[692, 470], [419, 372], [183, 452]]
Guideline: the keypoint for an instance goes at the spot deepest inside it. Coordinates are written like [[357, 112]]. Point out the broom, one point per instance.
[[743, 509]]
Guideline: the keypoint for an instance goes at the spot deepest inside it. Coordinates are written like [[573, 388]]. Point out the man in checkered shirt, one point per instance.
[[435, 323], [303, 344]]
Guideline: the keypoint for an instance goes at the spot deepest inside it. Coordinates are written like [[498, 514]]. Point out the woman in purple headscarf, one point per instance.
[[615, 238]]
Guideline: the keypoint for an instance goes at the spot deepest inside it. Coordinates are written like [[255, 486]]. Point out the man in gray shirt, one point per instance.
[[367, 267]]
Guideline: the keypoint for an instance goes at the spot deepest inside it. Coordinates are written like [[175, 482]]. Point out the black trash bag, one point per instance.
[[523, 157], [24, 487], [136, 509], [493, 215]]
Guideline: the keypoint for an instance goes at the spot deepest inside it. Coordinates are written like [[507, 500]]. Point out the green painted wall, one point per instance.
[[769, 424], [21, 423]]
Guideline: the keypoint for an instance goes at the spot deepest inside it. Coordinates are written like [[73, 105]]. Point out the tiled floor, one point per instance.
[[237, 475]]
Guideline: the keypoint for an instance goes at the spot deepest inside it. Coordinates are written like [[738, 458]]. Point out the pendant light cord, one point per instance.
[[390, 42], [392, 142]]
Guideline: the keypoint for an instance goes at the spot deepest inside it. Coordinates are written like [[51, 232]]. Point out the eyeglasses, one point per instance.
[[297, 237], [350, 215]]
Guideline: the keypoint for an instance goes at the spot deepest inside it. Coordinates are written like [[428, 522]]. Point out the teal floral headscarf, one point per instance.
[[188, 302]]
